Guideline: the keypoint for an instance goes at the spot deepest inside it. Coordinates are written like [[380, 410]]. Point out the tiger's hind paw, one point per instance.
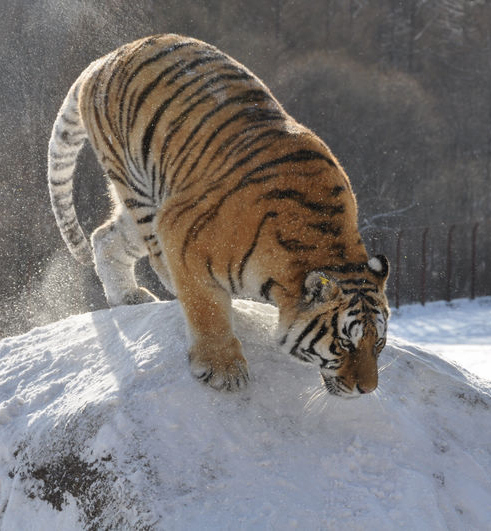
[[222, 367], [139, 296]]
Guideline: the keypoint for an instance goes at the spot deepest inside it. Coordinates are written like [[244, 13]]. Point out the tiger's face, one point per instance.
[[341, 326]]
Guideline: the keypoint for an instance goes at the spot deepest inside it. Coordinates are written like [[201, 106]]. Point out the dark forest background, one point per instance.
[[400, 90]]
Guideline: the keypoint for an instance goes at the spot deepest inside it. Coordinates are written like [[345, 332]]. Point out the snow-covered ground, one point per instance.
[[103, 427], [459, 331]]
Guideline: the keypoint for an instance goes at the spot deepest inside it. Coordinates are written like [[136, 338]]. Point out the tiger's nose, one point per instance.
[[365, 388]]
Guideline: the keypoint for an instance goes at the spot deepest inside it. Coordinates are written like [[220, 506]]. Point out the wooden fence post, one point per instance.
[[398, 267], [448, 296], [423, 266], [473, 258]]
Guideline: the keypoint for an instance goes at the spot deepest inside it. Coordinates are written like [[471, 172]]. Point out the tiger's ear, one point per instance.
[[379, 266], [318, 288]]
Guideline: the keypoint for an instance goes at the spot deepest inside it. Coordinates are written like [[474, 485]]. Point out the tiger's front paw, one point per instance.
[[222, 366]]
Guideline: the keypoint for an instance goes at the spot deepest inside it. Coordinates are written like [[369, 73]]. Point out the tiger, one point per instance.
[[229, 197]]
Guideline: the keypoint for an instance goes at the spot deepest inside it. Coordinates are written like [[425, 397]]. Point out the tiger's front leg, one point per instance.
[[215, 355]]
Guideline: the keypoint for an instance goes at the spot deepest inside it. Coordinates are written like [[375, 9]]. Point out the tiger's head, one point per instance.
[[341, 325]]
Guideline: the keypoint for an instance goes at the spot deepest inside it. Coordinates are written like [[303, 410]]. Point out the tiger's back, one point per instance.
[[224, 191]]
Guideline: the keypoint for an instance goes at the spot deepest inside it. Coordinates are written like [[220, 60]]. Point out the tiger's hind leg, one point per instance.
[[156, 261], [117, 247]]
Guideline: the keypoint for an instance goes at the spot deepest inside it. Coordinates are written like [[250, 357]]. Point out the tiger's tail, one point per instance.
[[67, 138]]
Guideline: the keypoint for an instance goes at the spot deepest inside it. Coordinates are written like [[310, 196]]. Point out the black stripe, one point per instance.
[[248, 142], [178, 168], [154, 182], [149, 88], [75, 123], [115, 70], [220, 77], [72, 143], [138, 190], [337, 190], [305, 332], [334, 324], [230, 279], [326, 227], [115, 177], [236, 117], [128, 184], [179, 121], [260, 118], [303, 155], [299, 197], [100, 91], [341, 248], [59, 196], [73, 236], [128, 76], [106, 140], [58, 166], [208, 57], [293, 245], [249, 96], [266, 288], [346, 268], [132, 74], [361, 291], [332, 365], [63, 156], [332, 349], [255, 117], [59, 207], [72, 222], [248, 254], [357, 282], [150, 129], [177, 125], [320, 334], [370, 300], [146, 219], [210, 272], [161, 54], [135, 177], [64, 133], [127, 133], [66, 137], [134, 203], [204, 218], [60, 182], [191, 204], [347, 329]]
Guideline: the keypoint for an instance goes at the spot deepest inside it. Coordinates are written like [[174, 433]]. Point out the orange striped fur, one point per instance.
[[229, 197]]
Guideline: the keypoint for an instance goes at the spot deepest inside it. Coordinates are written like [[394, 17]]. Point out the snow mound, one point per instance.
[[102, 426]]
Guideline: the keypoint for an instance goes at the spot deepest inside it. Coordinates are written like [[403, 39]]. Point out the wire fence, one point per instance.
[[428, 263], [435, 262]]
